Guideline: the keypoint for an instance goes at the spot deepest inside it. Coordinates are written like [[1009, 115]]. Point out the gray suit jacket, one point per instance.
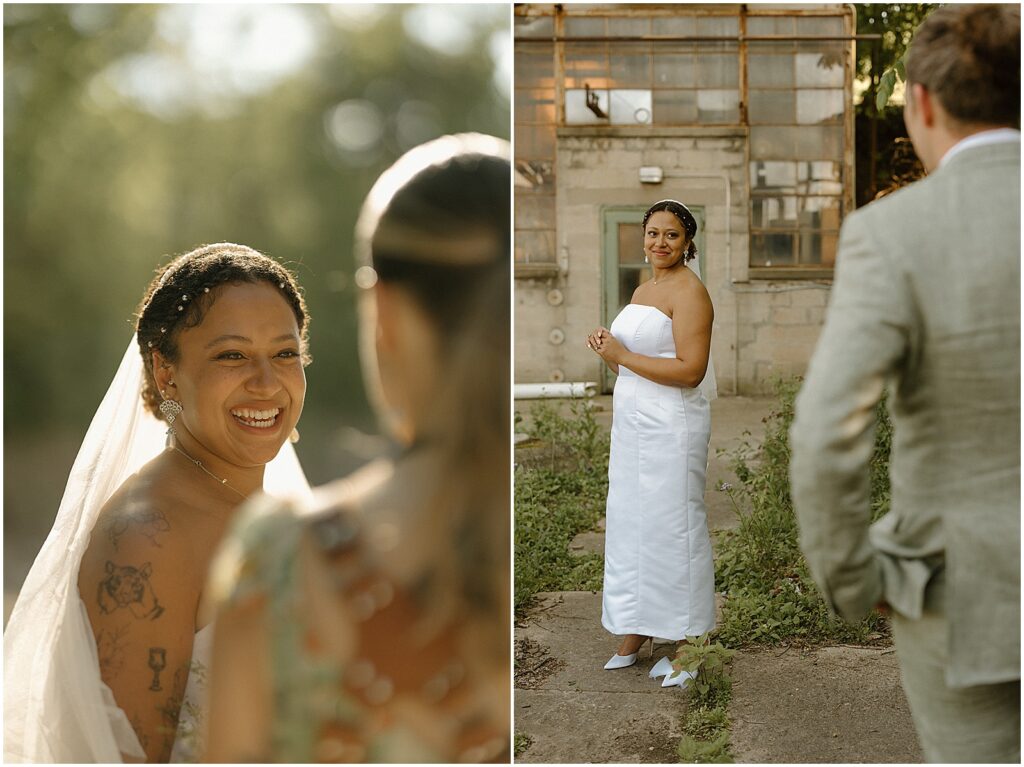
[[926, 300]]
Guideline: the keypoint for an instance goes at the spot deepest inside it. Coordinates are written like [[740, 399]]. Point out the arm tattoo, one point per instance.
[[171, 708], [137, 726], [129, 587], [157, 662], [110, 647], [149, 523]]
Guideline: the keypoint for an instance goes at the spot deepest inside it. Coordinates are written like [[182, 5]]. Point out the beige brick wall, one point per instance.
[[762, 328]]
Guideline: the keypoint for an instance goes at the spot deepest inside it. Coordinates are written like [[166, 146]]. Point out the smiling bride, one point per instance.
[[106, 648]]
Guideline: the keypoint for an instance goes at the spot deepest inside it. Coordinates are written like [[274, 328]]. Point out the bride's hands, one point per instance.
[[605, 345]]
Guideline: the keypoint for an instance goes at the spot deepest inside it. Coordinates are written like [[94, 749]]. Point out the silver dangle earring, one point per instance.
[[171, 409], [645, 258]]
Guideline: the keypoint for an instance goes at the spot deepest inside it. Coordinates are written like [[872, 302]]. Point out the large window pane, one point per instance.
[[675, 107], [773, 175], [772, 107], [619, 26], [825, 26], [718, 106], [718, 26], [586, 66], [538, 26], [772, 249], [677, 26], [718, 70], [630, 107], [770, 71], [678, 69], [576, 26], [632, 70], [820, 69], [818, 106], [631, 243], [536, 67], [771, 25], [534, 106], [578, 113], [771, 143], [819, 142]]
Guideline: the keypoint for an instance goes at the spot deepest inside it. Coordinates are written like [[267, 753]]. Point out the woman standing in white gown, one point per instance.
[[104, 650], [659, 576]]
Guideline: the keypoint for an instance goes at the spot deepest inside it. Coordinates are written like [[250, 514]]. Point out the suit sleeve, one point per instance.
[[864, 341]]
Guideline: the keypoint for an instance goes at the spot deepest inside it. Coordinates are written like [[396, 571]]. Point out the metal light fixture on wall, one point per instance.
[[651, 174]]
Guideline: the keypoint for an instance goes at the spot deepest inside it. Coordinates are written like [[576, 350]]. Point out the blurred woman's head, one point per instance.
[[222, 331], [434, 241], [433, 238]]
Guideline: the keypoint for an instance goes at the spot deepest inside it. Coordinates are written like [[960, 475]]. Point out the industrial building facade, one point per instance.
[[744, 113]]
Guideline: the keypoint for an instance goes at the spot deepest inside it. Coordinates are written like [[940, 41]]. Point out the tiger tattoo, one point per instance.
[[129, 587]]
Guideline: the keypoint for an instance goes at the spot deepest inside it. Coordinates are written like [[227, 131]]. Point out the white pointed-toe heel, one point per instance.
[[661, 668], [622, 661], [680, 680]]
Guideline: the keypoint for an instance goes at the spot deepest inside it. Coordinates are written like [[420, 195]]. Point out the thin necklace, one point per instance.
[[199, 463]]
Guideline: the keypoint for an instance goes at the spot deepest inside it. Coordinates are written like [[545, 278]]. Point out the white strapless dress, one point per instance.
[[659, 578]]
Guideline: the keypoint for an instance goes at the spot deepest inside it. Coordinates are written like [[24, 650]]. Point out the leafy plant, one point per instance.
[[520, 742], [770, 596], [558, 499], [706, 726]]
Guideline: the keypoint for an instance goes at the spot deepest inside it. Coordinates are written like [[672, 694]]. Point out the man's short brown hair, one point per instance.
[[969, 57]]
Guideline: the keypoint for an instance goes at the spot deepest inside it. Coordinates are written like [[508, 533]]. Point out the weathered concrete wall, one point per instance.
[[762, 328]]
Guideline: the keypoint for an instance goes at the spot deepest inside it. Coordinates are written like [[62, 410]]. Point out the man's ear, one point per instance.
[[924, 103]]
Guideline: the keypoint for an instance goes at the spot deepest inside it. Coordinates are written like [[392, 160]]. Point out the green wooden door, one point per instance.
[[623, 266]]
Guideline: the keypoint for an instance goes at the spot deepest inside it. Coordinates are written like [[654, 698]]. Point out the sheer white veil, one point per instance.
[[56, 707], [709, 386]]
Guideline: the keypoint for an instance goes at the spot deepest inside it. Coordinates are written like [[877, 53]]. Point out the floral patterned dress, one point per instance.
[[369, 674]]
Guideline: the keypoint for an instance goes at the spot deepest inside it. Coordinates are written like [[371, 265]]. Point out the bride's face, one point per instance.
[[239, 375], [664, 239]]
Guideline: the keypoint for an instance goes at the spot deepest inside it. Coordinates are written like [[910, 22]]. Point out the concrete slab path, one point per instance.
[[834, 704]]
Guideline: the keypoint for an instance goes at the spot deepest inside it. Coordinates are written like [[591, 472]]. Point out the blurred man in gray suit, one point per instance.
[[926, 300]]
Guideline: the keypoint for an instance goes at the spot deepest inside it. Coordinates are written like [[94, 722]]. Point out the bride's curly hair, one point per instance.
[[183, 291]]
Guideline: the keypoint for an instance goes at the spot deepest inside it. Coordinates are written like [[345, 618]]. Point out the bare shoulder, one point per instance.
[[137, 538], [690, 298]]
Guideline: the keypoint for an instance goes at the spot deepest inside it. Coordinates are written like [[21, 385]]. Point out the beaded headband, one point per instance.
[[678, 210], [184, 298]]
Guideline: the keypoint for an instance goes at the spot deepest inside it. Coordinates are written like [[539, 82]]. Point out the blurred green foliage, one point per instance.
[[136, 132]]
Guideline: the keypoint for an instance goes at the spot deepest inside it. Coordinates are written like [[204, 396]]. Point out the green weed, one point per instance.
[[706, 725], [770, 596], [520, 742], [557, 498]]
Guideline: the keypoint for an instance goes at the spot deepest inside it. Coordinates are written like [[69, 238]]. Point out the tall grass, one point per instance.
[[770, 597], [557, 495]]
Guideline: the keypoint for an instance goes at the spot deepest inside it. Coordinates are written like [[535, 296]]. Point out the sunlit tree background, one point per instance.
[[136, 132]]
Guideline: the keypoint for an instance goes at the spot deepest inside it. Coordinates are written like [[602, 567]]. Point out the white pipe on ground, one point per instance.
[[566, 389]]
